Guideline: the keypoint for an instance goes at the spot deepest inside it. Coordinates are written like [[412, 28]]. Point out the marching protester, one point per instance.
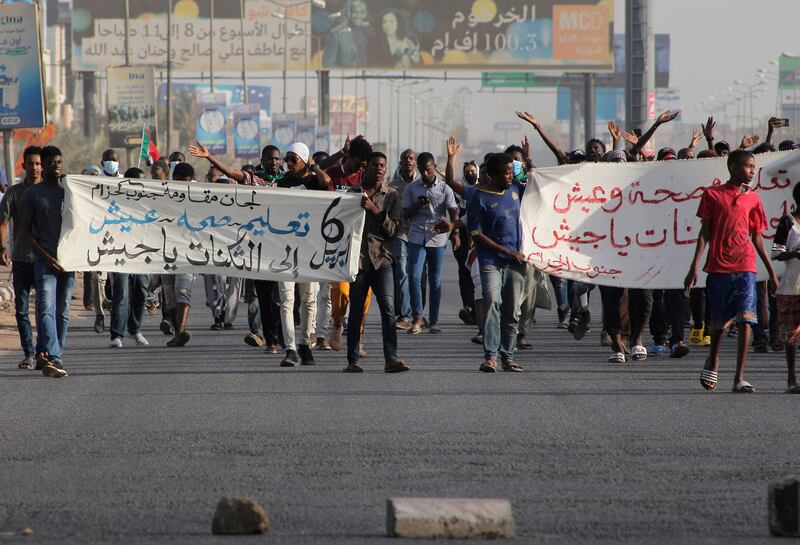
[[733, 221], [129, 294], [178, 287], [430, 207], [405, 174], [493, 213], [22, 258], [42, 207], [382, 220], [786, 248]]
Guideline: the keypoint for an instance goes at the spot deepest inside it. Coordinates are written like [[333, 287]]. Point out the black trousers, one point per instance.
[[640, 305], [269, 304]]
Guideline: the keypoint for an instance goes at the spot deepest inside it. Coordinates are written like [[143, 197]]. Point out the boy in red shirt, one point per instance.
[[731, 215]]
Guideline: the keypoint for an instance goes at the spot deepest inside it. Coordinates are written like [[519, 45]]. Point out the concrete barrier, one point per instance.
[[437, 518]]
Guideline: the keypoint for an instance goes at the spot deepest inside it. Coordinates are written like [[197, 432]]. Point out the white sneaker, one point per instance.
[[140, 340], [116, 343]]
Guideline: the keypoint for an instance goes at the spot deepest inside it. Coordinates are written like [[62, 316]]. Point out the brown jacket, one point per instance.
[[379, 230]]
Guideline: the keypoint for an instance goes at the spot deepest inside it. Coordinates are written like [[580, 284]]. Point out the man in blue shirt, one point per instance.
[[431, 209], [493, 215]]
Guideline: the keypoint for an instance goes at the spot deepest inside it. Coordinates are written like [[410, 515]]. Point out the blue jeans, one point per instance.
[[562, 297], [53, 295], [23, 280], [127, 303], [400, 267], [418, 256], [502, 294], [380, 280]]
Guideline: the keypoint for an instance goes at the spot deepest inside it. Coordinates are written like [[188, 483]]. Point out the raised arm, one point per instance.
[[708, 131], [695, 139], [665, 117], [453, 149], [560, 155], [199, 150], [772, 124], [323, 179]]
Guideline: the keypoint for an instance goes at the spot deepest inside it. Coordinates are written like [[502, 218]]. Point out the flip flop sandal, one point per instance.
[[25, 365], [793, 389], [512, 367], [489, 366], [708, 379], [639, 353], [617, 357], [743, 387]]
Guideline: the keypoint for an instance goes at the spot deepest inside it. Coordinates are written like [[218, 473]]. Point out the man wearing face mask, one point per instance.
[[110, 164], [174, 158]]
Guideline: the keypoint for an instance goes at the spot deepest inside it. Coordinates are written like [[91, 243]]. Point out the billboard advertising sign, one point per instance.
[[22, 97], [98, 34], [211, 125], [131, 105], [574, 35]]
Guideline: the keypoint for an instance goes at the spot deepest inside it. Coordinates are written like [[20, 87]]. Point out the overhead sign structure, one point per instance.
[[98, 34], [22, 89], [131, 105], [570, 35]]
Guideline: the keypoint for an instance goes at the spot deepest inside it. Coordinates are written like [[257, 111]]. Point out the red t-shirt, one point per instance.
[[341, 181], [734, 216]]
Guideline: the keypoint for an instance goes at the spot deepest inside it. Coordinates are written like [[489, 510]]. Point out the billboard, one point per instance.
[[284, 129], [246, 131], [131, 105], [574, 35], [211, 124], [22, 97], [98, 34]]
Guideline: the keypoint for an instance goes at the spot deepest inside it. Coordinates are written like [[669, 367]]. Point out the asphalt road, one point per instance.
[[139, 444]]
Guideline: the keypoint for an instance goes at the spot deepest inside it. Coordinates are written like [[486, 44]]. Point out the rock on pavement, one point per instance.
[[237, 516]]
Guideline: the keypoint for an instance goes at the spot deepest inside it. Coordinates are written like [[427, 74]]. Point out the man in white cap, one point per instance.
[[301, 173]]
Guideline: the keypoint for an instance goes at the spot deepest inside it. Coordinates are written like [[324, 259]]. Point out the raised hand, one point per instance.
[[708, 128], [629, 137], [199, 150], [525, 116], [453, 148], [613, 130], [748, 141], [696, 135], [526, 147], [668, 116], [775, 123]]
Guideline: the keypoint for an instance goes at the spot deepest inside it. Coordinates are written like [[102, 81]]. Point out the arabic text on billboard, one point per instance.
[[465, 34]]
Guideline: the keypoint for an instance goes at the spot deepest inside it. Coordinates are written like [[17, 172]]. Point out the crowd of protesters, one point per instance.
[[413, 212]]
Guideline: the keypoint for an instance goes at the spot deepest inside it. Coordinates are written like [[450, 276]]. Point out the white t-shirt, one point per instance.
[[787, 239]]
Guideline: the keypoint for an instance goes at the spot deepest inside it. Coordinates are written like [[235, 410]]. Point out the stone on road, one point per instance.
[[438, 518], [238, 516]]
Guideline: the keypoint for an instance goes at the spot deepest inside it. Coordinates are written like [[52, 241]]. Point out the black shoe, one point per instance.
[[571, 326], [306, 357], [353, 368], [227, 325], [99, 324], [180, 339], [216, 326], [760, 348], [582, 327], [466, 316], [522, 344], [166, 328], [290, 360]]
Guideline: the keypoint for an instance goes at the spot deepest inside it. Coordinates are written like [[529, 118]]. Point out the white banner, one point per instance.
[[147, 226], [636, 225]]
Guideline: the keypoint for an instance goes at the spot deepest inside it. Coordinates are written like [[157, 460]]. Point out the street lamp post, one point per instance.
[[750, 92], [397, 125]]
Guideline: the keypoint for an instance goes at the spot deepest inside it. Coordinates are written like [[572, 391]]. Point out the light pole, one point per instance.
[[750, 92], [397, 125]]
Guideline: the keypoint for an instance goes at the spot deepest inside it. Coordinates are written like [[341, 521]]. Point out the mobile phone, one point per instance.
[[784, 122]]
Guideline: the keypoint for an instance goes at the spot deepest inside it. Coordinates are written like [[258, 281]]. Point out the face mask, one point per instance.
[[471, 178], [172, 165], [111, 166], [517, 168]]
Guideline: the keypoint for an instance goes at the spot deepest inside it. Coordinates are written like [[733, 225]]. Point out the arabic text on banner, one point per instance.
[[636, 225], [147, 226]]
